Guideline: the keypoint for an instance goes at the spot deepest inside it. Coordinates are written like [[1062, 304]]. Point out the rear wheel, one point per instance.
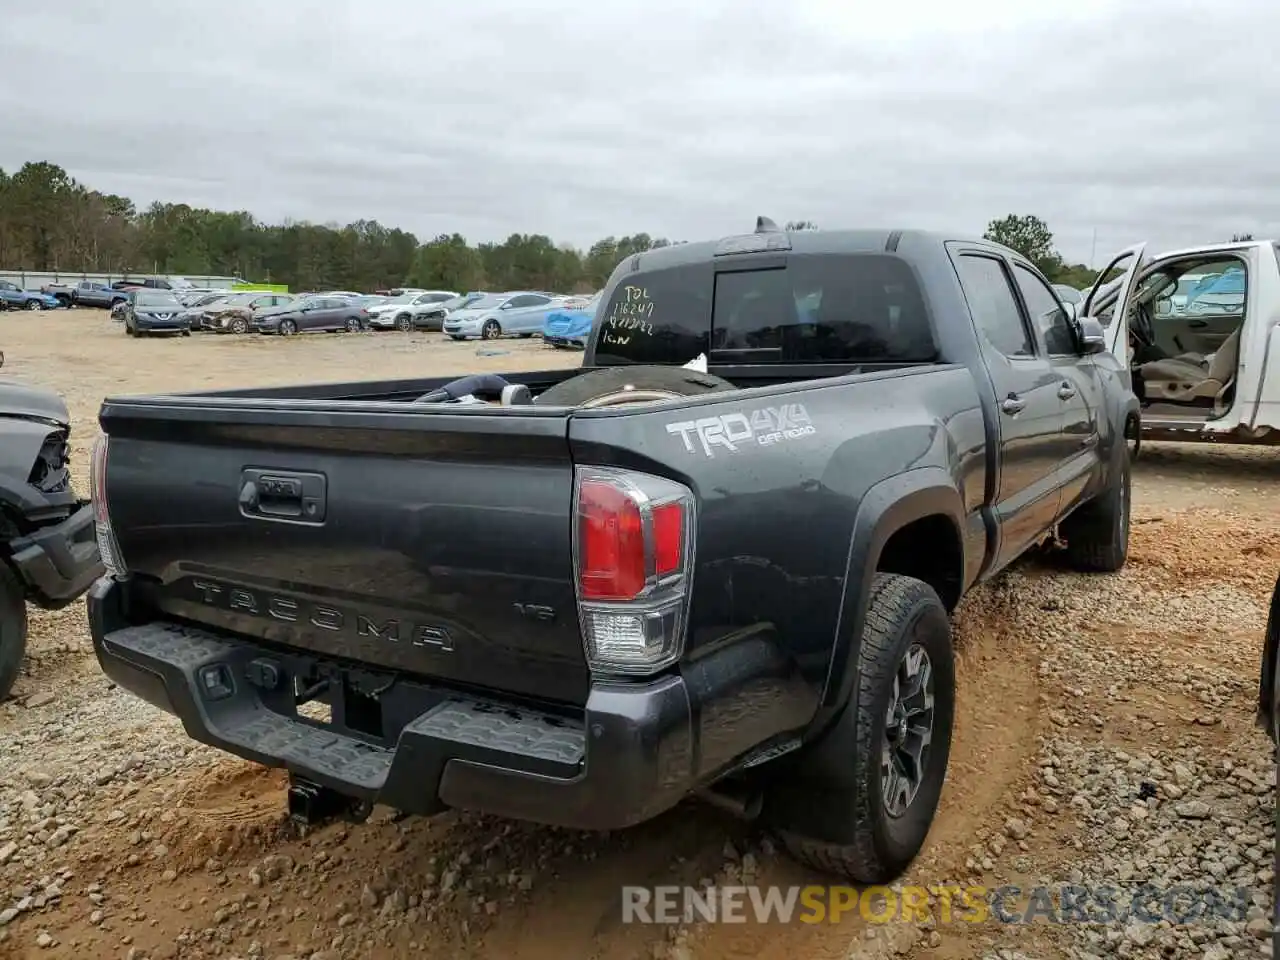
[[616, 385], [13, 629], [878, 771], [288, 328], [404, 322], [353, 325]]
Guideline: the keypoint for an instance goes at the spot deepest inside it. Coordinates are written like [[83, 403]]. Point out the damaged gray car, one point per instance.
[[48, 552]]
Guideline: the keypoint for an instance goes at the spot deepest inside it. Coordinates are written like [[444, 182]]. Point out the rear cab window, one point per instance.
[[808, 308]]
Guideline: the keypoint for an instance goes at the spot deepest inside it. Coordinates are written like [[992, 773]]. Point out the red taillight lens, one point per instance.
[[634, 547], [668, 538], [612, 543]]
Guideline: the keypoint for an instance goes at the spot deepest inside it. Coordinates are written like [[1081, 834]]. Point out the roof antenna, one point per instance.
[[765, 225]]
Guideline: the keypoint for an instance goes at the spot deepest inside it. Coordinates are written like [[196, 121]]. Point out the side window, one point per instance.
[[538, 301], [526, 300], [992, 303], [1046, 312]]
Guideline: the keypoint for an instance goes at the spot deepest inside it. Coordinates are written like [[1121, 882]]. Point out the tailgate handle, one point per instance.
[[283, 495]]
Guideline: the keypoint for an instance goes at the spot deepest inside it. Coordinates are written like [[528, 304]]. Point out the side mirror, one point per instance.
[[1093, 336]]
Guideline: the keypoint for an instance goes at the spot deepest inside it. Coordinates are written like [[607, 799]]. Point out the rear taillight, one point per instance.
[[107, 545], [633, 553]]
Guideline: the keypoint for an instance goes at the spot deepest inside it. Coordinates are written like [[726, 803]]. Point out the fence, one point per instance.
[[35, 279]]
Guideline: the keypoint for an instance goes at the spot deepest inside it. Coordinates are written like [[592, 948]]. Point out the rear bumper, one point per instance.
[[625, 758], [58, 563]]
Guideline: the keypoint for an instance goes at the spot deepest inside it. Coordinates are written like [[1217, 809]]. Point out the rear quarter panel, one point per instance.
[[780, 477]]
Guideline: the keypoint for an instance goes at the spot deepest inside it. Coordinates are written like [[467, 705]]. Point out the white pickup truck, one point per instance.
[[1200, 331]]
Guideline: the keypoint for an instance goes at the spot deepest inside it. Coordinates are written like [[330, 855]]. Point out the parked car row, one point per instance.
[[478, 314], [147, 312]]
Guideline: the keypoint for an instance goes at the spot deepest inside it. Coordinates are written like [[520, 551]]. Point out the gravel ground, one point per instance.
[[1104, 736]]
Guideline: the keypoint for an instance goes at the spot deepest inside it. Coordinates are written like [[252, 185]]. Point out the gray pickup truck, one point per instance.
[[577, 597]]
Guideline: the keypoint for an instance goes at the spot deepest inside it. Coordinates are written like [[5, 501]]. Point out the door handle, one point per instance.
[[1197, 324], [1066, 391], [1013, 404]]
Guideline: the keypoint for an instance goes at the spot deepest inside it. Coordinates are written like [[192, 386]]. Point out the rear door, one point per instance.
[[524, 314], [1029, 407], [1079, 388], [324, 315]]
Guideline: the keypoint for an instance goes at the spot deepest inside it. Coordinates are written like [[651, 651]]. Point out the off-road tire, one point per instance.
[[587, 387], [871, 846], [13, 629], [1097, 533]]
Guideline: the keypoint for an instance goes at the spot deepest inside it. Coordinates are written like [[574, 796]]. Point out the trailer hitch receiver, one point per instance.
[[311, 804]]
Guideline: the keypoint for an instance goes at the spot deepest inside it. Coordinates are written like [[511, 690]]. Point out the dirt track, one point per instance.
[[157, 848]]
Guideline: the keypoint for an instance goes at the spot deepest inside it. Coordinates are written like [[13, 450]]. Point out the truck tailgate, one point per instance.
[[429, 542]]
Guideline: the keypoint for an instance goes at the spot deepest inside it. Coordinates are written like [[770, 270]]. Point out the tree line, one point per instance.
[[51, 222]]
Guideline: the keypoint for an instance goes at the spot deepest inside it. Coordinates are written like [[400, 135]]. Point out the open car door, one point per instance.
[[1108, 299]]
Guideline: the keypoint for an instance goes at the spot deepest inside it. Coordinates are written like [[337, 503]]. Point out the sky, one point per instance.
[[1114, 121]]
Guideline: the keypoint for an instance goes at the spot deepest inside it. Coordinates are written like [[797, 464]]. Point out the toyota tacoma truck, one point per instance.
[[719, 560], [48, 551]]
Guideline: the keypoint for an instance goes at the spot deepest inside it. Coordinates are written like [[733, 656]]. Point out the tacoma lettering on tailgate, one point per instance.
[[321, 616]]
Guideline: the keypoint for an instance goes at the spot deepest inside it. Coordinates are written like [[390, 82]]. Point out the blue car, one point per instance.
[[13, 297], [1223, 294], [570, 325]]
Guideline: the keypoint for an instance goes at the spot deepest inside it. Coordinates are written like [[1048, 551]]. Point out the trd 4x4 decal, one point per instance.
[[764, 427]]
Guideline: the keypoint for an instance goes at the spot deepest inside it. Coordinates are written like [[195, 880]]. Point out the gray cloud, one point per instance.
[[1133, 120]]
